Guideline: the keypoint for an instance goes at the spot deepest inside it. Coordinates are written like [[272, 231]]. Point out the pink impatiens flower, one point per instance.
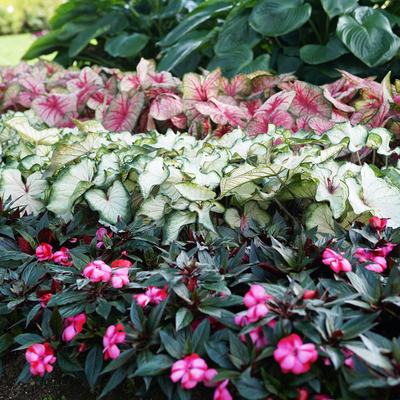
[[190, 371], [295, 356], [151, 295], [40, 356], [376, 256], [73, 326], [221, 392], [120, 273], [378, 225], [255, 300], [257, 334], [97, 271], [45, 299], [113, 336], [335, 261], [62, 257], [99, 234], [44, 252]]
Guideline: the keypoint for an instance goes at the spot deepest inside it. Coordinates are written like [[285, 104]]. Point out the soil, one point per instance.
[[60, 386]]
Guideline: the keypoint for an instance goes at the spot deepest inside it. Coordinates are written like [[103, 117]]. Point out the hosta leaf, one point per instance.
[[175, 222], [63, 190], [155, 173], [24, 194], [278, 17], [375, 194], [357, 135], [116, 203], [317, 54], [123, 112], [337, 7], [29, 134], [54, 107], [194, 192], [371, 39], [125, 45]]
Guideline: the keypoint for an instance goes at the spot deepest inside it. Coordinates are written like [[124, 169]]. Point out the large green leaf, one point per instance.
[[319, 215], [278, 17], [45, 44], [192, 20], [370, 39], [317, 54], [175, 222], [83, 38], [125, 45], [116, 203], [236, 31], [337, 7]]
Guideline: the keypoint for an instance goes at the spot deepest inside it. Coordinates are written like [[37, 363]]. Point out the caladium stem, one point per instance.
[[358, 156], [282, 207], [290, 191]]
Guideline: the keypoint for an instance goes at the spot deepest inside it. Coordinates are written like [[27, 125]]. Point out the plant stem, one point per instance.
[[373, 157], [316, 32], [327, 28], [358, 156], [282, 207], [277, 41], [301, 37], [290, 191]]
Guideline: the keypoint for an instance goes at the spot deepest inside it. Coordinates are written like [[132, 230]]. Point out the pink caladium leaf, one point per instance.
[[221, 113], [262, 82], [310, 100], [84, 95], [32, 88], [221, 130], [320, 125], [98, 98], [66, 121], [130, 83], [200, 88], [52, 67], [179, 121], [162, 79], [250, 107], [20, 68], [111, 85], [336, 103], [302, 123], [357, 116], [39, 73], [165, 106], [259, 123], [339, 116], [361, 83], [239, 87], [87, 77], [10, 97], [143, 69], [142, 121], [53, 107], [123, 112], [380, 118], [279, 101]]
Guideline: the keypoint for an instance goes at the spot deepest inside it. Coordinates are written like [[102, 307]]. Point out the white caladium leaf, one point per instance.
[[229, 139], [89, 126], [167, 141], [375, 194], [203, 212], [331, 188], [246, 192], [251, 210], [181, 204], [29, 134], [251, 174], [65, 188], [24, 194], [66, 153], [174, 223], [168, 188], [211, 180], [154, 207], [303, 189], [194, 192], [319, 215], [29, 161], [116, 203], [329, 153], [216, 161], [155, 173], [379, 140], [358, 135], [245, 149], [107, 170]]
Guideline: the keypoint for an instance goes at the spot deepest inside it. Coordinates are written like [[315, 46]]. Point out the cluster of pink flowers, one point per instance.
[[294, 356], [255, 300], [377, 257], [335, 261], [40, 356], [117, 275], [113, 336], [73, 326], [44, 252], [151, 295], [193, 370], [303, 395]]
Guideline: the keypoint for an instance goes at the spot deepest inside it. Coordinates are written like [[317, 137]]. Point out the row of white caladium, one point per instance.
[[175, 180]]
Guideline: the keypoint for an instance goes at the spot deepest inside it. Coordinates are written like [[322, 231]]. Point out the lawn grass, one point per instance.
[[13, 47]]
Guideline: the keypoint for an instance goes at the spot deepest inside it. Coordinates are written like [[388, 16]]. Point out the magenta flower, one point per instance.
[[120, 273], [190, 371], [335, 261], [208, 375], [113, 336], [256, 335], [222, 393], [97, 271], [73, 326], [378, 225], [40, 356], [44, 252], [376, 256], [295, 356], [45, 299], [255, 300], [99, 235], [62, 256], [151, 295]]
